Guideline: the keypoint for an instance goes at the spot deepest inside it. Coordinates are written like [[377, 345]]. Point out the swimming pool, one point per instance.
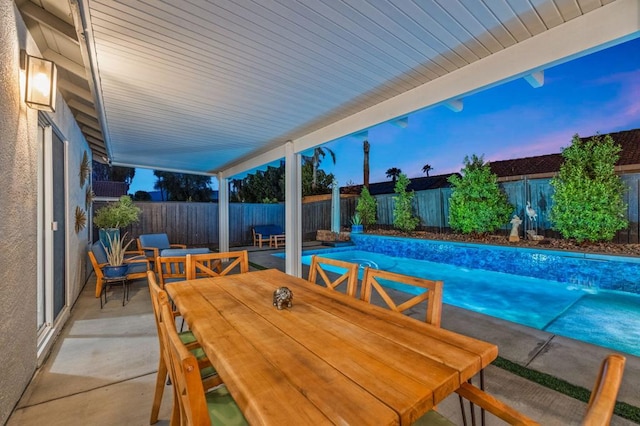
[[593, 298]]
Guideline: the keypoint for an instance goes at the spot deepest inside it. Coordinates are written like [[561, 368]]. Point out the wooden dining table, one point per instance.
[[329, 359]]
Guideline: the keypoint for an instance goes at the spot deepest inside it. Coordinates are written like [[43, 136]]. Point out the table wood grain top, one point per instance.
[[330, 359]]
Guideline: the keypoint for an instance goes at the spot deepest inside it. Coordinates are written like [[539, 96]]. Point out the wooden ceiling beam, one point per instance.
[[91, 132], [97, 149], [66, 63], [75, 90], [89, 122], [49, 20], [97, 144], [83, 108]]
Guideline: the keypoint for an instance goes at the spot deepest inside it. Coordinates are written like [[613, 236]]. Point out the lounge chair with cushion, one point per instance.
[[138, 265], [153, 244], [274, 234]]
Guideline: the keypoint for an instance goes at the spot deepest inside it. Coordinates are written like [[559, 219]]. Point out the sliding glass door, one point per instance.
[[52, 274]]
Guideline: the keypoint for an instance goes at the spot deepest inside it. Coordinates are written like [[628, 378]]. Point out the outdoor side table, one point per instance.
[[109, 281]]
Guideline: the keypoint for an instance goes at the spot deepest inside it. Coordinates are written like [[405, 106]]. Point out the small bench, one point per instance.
[[272, 233]]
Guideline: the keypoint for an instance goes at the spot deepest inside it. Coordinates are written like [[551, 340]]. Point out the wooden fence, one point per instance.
[[196, 224], [432, 206]]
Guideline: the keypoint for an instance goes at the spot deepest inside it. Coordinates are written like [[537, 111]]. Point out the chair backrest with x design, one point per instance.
[[217, 264], [347, 271], [377, 281]]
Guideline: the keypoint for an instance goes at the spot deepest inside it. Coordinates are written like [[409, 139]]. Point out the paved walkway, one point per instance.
[[102, 369]]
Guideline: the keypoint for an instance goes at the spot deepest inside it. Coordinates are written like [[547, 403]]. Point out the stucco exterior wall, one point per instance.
[[18, 209], [18, 203]]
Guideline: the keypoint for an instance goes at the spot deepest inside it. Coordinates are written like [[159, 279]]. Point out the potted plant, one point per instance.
[[356, 224], [114, 216], [116, 250]]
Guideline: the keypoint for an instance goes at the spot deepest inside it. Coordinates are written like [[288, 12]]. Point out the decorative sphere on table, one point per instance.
[[282, 298]]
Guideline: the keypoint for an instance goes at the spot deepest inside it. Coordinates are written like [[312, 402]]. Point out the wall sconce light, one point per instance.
[[41, 76]]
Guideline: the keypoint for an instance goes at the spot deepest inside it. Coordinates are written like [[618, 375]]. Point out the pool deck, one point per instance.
[[102, 369], [575, 361]]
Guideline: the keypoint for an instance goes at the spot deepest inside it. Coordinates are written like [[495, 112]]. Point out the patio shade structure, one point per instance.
[[219, 88], [206, 86]]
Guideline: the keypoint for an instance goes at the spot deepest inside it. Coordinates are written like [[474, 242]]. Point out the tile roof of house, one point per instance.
[[416, 184], [110, 189], [629, 140]]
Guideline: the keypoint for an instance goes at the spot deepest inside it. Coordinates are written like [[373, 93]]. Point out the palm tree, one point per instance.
[[393, 173], [318, 155], [365, 166], [426, 169]]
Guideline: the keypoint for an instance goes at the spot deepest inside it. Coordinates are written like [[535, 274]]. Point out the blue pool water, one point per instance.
[[592, 298]]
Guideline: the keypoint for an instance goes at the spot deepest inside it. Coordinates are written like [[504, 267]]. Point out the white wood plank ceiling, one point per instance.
[[199, 86]]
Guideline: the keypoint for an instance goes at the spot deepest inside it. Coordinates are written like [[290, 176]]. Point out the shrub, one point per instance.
[[367, 208], [403, 217], [477, 204], [117, 215], [588, 200]]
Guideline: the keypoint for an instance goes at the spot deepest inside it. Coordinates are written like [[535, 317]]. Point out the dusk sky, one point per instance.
[[599, 93]]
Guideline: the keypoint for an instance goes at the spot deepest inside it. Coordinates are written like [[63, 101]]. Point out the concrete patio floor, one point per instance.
[[103, 367]]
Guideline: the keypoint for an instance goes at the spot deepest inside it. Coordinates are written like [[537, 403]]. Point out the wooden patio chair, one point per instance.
[[217, 264], [153, 244], [605, 391], [374, 281], [171, 269], [196, 407], [209, 376], [350, 274], [599, 409], [138, 265]]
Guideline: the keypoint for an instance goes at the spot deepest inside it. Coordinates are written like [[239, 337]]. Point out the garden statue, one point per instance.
[[515, 224], [531, 213], [533, 217]]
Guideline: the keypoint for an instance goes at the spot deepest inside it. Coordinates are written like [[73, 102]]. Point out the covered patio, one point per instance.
[[102, 370], [222, 88]]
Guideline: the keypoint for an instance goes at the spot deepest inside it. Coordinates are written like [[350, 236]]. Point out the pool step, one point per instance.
[[338, 243]]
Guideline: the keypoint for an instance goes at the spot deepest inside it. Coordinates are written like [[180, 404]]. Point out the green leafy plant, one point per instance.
[[477, 204], [367, 207], [117, 215], [116, 249], [356, 220], [403, 217], [588, 200]]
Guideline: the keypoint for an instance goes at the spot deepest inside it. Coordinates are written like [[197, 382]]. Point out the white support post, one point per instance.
[[293, 209], [223, 213]]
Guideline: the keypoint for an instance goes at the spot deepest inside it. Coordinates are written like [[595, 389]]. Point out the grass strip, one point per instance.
[[621, 409], [256, 266]]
